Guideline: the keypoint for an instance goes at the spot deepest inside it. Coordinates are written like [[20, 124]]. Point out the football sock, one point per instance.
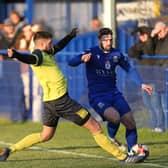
[[112, 129], [108, 146], [131, 137], [26, 142]]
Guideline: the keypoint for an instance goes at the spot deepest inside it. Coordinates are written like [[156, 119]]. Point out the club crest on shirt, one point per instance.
[[100, 105], [115, 58], [107, 64], [98, 56]]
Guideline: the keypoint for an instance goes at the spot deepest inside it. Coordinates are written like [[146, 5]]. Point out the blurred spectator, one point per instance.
[[24, 42], [7, 34], [160, 34], [146, 45], [10, 74], [42, 25], [18, 22], [95, 23], [1, 26], [160, 31], [24, 38]]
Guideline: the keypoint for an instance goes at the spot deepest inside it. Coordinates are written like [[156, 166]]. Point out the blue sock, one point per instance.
[[112, 129], [131, 137]]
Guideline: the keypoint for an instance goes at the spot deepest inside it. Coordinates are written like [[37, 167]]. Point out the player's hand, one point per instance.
[[74, 32], [147, 88], [10, 52], [86, 57]]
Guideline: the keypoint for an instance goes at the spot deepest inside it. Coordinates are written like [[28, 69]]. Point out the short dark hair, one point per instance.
[[104, 31], [142, 30], [42, 34]]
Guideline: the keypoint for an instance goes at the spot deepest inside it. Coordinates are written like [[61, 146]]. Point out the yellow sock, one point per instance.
[[108, 146], [26, 142]]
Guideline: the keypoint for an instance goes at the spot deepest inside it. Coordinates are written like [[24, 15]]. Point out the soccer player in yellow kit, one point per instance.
[[57, 102]]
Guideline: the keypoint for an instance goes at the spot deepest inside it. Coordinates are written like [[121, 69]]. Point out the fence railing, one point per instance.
[[12, 91]]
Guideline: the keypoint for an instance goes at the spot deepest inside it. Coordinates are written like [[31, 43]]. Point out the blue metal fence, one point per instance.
[[77, 85], [166, 112], [11, 91], [76, 76]]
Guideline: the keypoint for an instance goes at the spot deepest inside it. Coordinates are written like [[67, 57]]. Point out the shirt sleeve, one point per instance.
[[131, 70], [134, 76], [34, 58], [76, 60], [62, 43]]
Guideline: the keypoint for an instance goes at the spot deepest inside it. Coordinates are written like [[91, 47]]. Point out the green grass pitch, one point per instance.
[[74, 147]]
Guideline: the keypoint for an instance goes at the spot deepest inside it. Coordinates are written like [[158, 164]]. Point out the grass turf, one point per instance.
[[74, 147]]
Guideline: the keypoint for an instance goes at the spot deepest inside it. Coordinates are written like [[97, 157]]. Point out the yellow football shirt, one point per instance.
[[50, 77]]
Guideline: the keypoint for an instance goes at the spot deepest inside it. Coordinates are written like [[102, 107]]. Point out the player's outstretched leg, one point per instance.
[[4, 153], [22, 144], [94, 127]]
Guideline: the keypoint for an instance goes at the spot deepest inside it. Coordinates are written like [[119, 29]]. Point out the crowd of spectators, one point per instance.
[[16, 33], [151, 42]]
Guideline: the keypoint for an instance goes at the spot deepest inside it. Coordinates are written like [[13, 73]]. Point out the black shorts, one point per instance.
[[66, 108]]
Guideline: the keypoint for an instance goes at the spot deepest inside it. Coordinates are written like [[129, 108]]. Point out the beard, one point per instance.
[[106, 49]]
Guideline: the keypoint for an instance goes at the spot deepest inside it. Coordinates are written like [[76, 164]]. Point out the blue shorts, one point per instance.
[[102, 102]]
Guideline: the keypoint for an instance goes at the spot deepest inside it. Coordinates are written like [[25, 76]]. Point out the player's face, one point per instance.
[[106, 42], [47, 44], [43, 44]]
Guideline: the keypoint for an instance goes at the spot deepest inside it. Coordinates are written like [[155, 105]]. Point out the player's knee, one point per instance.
[[112, 115], [92, 125], [46, 137], [128, 121]]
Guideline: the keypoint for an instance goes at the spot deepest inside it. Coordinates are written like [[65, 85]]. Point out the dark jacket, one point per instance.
[[162, 49], [143, 48]]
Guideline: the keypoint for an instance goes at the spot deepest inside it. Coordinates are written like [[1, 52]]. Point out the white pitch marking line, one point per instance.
[[84, 155]]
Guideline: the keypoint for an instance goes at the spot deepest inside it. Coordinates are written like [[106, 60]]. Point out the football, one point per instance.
[[140, 149]]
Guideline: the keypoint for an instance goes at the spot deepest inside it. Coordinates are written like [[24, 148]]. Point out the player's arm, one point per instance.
[[35, 58], [62, 43], [133, 74], [131, 70], [81, 58]]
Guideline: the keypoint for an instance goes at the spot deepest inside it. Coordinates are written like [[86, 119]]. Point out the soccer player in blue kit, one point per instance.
[[104, 96]]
